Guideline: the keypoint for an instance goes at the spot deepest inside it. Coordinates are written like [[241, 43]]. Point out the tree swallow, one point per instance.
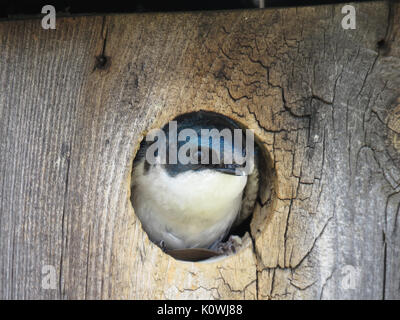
[[194, 204]]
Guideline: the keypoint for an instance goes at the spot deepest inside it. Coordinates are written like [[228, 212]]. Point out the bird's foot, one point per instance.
[[229, 247]]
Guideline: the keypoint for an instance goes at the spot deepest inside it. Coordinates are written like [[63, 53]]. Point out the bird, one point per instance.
[[194, 206]]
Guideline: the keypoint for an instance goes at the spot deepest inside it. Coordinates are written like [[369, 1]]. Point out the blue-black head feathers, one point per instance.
[[197, 121]]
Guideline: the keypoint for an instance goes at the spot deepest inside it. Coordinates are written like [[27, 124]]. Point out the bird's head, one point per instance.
[[201, 141]]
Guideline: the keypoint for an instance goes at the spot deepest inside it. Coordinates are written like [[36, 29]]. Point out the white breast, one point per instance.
[[192, 209]]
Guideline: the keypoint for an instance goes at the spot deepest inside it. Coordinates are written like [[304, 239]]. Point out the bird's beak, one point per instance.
[[235, 170]]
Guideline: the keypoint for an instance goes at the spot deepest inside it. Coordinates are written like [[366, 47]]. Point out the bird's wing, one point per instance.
[[250, 194]]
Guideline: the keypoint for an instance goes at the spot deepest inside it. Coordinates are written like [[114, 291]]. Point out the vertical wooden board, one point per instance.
[[42, 74], [321, 99]]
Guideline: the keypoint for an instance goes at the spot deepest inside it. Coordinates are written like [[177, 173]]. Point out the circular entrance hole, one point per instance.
[[195, 184]]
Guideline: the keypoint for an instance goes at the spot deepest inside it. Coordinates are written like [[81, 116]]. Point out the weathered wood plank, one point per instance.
[[321, 99], [41, 74]]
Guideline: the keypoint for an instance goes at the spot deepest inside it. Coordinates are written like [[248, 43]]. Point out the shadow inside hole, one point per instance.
[[264, 192]]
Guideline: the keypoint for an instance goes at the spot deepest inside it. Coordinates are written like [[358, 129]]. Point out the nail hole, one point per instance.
[[101, 62]]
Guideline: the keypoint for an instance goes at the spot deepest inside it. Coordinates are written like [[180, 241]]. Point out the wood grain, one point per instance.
[[322, 101]]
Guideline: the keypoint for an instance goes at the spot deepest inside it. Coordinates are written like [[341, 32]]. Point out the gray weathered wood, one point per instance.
[[323, 101]]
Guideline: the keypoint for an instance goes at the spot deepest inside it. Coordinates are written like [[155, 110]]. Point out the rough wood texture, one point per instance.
[[324, 102]]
